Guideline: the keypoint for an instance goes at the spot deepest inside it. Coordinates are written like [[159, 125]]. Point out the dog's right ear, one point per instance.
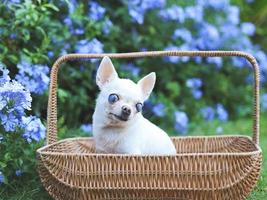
[[106, 72]]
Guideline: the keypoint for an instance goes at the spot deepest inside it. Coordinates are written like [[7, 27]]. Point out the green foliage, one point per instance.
[[18, 156], [43, 30]]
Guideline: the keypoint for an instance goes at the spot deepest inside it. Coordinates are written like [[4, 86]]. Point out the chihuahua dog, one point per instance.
[[118, 123]]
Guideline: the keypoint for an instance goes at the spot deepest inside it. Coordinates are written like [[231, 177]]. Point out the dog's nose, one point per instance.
[[125, 110]]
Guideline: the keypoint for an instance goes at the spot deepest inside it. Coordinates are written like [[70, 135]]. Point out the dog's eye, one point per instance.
[[139, 107], [113, 98]]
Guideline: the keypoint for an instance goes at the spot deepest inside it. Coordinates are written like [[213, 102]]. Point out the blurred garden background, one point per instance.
[[193, 96]]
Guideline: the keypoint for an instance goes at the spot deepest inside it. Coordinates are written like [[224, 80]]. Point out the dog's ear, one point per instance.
[[147, 84], [106, 72]]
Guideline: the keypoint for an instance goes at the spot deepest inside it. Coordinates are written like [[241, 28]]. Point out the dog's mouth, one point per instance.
[[121, 118]]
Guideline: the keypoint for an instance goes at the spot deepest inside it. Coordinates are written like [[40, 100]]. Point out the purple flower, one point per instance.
[[262, 59], [222, 113], [181, 122], [132, 68], [72, 4], [14, 1], [67, 21], [13, 36], [197, 59], [194, 12], [197, 94], [78, 31], [239, 62], [9, 121], [92, 46], [233, 14], [159, 109], [194, 83], [14, 98], [218, 61], [148, 106], [138, 8], [208, 37], [33, 77], [174, 13], [106, 26], [136, 14], [96, 11], [219, 130], [216, 4], [264, 101], [208, 113], [248, 28], [226, 34], [152, 4], [18, 172], [50, 54], [66, 46], [2, 177], [4, 77], [182, 33], [33, 129], [87, 128]]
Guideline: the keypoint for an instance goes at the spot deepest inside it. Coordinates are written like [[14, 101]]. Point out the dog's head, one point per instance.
[[120, 100]]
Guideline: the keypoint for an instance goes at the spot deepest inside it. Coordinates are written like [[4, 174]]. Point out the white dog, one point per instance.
[[118, 124]]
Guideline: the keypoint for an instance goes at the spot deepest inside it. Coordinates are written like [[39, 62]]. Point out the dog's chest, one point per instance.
[[110, 141]]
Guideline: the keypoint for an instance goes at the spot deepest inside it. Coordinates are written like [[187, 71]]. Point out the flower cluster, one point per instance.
[[159, 109], [87, 128], [138, 8], [14, 100], [209, 113], [4, 77], [89, 46], [175, 13], [194, 84], [181, 122], [130, 67], [96, 12], [2, 178], [203, 35], [33, 77], [264, 101], [33, 129]]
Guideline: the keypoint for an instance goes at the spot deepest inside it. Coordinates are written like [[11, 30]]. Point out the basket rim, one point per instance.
[[258, 150]]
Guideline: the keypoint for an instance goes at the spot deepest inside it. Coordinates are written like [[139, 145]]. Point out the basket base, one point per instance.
[[223, 168]]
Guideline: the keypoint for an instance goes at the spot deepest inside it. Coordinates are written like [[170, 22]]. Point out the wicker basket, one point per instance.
[[210, 167]]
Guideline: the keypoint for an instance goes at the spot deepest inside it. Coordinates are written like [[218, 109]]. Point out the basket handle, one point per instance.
[[52, 100]]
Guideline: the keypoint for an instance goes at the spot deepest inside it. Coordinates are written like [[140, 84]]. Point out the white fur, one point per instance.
[[137, 135]]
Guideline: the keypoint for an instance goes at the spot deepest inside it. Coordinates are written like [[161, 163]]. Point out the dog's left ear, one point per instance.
[[106, 72], [147, 84]]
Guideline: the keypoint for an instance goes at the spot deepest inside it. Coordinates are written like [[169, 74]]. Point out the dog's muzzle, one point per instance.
[[125, 112], [120, 117]]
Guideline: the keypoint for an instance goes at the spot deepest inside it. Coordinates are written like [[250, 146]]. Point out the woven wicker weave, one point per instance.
[[209, 167]]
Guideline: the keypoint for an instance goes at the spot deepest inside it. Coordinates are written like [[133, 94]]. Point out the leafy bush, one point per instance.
[[188, 90]]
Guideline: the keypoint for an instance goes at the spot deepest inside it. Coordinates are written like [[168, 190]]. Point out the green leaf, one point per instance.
[[2, 165], [26, 35], [51, 6], [173, 88]]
